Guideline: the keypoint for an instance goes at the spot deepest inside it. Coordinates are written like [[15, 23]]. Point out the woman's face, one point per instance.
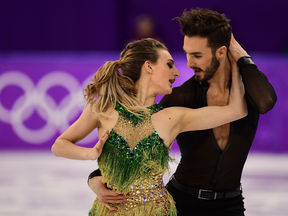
[[164, 73]]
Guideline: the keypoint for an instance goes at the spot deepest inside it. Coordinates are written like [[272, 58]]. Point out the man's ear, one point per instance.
[[221, 52], [148, 66]]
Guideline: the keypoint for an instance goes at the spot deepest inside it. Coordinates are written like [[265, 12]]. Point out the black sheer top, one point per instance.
[[203, 164]]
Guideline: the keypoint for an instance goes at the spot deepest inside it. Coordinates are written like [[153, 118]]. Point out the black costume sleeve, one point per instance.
[[258, 91], [94, 174]]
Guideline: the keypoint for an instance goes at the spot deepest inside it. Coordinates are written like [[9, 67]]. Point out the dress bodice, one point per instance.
[[133, 160], [133, 149]]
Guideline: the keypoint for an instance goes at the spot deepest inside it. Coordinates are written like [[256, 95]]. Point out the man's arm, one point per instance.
[[94, 174], [103, 193], [258, 91]]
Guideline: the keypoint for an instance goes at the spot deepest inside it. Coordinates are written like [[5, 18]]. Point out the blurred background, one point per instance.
[[50, 49]]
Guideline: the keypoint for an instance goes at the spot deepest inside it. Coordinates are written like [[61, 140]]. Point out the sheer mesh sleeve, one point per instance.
[[259, 92], [94, 174]]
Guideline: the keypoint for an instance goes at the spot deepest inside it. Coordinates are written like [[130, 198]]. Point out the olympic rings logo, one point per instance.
[[35, 98]]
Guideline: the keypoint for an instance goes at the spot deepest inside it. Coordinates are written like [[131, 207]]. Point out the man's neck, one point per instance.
[[220, 81]]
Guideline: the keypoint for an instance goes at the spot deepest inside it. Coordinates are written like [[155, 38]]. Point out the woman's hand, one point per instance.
[[96, 151], [236, 50]]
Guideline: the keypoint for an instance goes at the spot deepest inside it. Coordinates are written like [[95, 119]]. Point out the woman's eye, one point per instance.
[[197, 56], [170, 66]]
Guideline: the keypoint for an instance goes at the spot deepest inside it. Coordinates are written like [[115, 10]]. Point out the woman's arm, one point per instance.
[[64, 145], [213, 116]]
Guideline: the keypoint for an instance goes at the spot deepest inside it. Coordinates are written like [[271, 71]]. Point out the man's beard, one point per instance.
[[210, 70]]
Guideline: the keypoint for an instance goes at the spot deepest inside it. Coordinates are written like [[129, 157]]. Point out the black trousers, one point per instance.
[[188, 204]]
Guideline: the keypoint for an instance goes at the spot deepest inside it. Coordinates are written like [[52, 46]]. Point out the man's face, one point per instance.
[[200, 58]]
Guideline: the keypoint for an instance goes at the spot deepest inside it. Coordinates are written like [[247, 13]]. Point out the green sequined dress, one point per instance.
[[133, 161]]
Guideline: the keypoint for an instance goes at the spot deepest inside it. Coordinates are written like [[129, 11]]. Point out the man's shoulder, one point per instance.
[[188, 84], [181, 95]]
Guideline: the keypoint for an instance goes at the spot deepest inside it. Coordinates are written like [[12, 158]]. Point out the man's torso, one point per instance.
[[212, 159]]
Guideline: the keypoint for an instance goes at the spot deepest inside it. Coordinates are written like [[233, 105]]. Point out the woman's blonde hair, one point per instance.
[[111, 86]]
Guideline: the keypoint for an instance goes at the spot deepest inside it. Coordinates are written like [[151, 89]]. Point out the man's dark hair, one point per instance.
[[206, 23]]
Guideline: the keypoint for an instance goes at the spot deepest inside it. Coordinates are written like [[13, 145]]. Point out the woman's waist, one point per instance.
[[142, 184], [143, 191]]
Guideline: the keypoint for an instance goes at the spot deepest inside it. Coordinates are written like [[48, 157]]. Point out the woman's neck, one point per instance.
[[146, 101], [144, 95]]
